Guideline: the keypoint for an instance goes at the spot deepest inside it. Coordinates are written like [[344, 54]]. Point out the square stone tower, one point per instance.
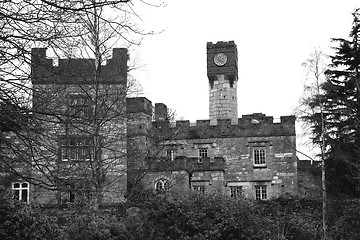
[[222, 72]]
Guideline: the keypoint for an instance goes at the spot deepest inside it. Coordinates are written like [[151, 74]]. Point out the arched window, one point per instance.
[[162, 185]]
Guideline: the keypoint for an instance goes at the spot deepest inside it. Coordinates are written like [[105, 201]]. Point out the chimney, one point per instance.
[[160, 112]]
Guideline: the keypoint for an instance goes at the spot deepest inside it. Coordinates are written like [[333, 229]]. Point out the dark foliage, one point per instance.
[[191, 216], [340, 100]]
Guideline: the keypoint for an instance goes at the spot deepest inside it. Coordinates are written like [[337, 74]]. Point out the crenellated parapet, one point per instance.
[[78, 71], [256, 124], [139, 105]]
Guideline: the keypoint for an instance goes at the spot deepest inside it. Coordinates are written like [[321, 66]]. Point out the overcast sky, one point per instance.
[[273, 38]]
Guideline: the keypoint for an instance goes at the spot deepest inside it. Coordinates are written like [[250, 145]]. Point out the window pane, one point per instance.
[[257, 192], [80, 154], [24, 185], [263, 192], [203, 152], [76, 148], [24, 195], [16, 185], [65, 154], [166, 185], [259, 156], [158, 186], [87, 153], [71, 197], [200, 189], [72, 153], [236, 191]]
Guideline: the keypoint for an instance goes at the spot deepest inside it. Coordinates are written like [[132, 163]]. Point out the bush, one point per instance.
[[19, 221], [190, 216], [346, 223]]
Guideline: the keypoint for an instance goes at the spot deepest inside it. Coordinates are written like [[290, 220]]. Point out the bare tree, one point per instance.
[[312, 105], [74, 132]]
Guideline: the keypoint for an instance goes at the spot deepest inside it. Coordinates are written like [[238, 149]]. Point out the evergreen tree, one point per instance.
[[340, 100]]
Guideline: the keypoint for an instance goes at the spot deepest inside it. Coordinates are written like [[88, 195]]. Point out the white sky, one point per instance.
[[273, 38]]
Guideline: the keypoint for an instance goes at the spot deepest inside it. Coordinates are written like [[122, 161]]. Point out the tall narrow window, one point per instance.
[[259, 155], [170, 153], [260, 193], [75, 148], [21, 191]]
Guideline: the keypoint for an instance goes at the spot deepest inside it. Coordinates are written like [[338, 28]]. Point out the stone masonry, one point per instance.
[[252, 155], [72, 101], [129, 147]]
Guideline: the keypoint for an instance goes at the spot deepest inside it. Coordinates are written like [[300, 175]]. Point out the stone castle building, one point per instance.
[[98, 141], [250, 156]]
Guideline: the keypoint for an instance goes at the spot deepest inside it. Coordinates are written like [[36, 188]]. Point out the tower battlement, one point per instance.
[[256, 124], [78, 71], [220, 44]]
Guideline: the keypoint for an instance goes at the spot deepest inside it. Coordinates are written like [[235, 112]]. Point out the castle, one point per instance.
[[98, 143]]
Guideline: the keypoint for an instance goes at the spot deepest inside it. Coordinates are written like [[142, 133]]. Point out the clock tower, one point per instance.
[[222, 72]]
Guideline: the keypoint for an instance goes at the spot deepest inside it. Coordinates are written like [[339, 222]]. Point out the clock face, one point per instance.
[[220, 59]]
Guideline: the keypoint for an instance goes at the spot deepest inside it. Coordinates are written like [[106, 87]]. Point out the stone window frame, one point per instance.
[[259, 156], [261, 192], [262, 146], [171, 153], [199, 188], [68, 194], [203, 152], [76, 148], [79, 107], [162, 185], [19, 189], [236, 191], [72, 190]]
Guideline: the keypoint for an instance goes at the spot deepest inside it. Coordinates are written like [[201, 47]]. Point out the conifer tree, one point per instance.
[[340, 99]]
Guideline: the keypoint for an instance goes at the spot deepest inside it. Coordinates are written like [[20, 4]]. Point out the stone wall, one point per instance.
[[107, 129], [234, 143], [222, 81], [309, 178], [103, 121], [249, 125], [179, 180], [223, 99], [78, 71]]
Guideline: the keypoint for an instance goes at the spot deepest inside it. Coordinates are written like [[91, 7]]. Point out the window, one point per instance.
[[171, 154], [260, 193], [75, 148], [236, 191], [259, 155], [162, 185], [79, 107], [203, 152], [200, 189], [21, 191], [67, 196], [70, 193]]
